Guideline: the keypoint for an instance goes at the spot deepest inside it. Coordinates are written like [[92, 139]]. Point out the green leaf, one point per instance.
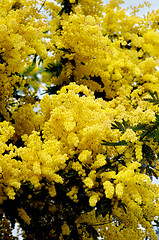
[[52, 90], [156, 135], [92, 232], [119, 143], [103, 207], [121, 126], [157, 222], [118, 125], [29, 69], [85, 77], [154, 99], [157, 119], [54, 68], [148, 153], [123, 205], [152, 94], [139, 127]]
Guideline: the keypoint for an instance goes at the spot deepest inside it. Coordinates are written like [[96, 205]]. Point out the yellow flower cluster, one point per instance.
[[73, 194], [10, 175], [21, 31], [105, 51], [73, 127], [75, 122], [58, 148], [65, 229], [25, 120], [129, 136], [109, 189]]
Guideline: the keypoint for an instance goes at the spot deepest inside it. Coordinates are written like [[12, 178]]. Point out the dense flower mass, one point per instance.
[[72, 128], [107, 52], [79, 163], [21, 32]]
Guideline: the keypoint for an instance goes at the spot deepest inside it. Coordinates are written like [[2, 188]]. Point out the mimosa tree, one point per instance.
[[78, 162]]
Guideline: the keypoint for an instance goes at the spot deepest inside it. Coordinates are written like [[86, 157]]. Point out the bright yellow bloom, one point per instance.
[[109, 189], [65, 229]]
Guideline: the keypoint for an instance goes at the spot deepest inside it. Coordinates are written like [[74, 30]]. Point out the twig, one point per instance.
[[42, 5]]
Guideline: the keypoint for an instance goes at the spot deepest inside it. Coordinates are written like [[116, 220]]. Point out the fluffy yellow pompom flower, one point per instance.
[[129, 136], [100, 161], [65, 229], [52, 190], [6, 131], [73, 194], [109, 189], [88, 182], [119, 190], [93, 200], [85, 157]]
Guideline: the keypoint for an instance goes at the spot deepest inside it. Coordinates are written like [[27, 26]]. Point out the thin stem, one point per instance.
[[42, 5]]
